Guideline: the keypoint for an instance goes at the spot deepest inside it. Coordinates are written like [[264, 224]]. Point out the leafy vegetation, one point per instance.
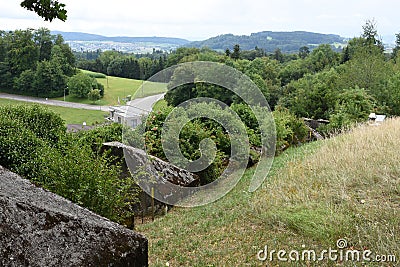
[[48, 10], [34, 144], [34, 62], [114, 63]]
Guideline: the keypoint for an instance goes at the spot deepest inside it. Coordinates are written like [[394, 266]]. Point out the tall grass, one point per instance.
[[345, 187]]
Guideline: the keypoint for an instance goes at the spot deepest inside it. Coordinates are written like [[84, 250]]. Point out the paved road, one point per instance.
[[145, 103]]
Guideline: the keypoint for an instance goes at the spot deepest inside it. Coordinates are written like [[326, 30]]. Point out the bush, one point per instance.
[[289, 129], [34, 144], [352, 106], [95, 75], [80, 85], [43, 123], [94, 95]]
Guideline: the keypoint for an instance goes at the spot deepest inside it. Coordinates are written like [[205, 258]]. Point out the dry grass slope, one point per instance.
[[346, 187]]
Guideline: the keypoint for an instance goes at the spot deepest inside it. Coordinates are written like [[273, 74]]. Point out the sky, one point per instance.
[[199, 20]]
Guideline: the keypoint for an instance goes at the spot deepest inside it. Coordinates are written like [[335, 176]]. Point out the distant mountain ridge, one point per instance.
[[287, 42], [80, 36]]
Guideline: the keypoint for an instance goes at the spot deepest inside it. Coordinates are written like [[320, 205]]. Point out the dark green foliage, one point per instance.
[[304, 51], [34, 144], [290, 131], [190, 136], [22, 51], [34, 62], [387, 96], [312, 96], [99, 135], [370, 34], [397, 47], [100, 87], [123, 65], [236, 52], [23, 84], [46, 9], [49, 80], [352, 106]]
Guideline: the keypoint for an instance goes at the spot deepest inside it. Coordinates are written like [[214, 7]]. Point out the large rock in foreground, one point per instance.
[[38, 228]]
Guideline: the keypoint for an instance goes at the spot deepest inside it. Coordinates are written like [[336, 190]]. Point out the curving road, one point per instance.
[[145, 103]]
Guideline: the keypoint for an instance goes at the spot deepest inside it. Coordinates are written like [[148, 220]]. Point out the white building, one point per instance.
[[132, 113], [127, 115]]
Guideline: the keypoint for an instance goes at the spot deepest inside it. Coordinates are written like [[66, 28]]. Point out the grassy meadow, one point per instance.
[[69, 115], [347, 187], [116, 87]]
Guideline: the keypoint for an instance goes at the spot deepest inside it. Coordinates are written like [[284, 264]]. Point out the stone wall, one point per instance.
[[163, 172], [162, 169], [38, 228]]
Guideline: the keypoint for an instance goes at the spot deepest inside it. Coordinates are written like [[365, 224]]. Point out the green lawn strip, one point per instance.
[[70, 115], [119, 88]]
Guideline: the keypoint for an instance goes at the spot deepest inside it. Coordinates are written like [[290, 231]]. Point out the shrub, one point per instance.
[[34, 144], [290, 130], [80, 85], [96, 75]]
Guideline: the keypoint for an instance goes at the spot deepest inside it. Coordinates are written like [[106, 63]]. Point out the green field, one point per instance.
[[160, 104], [115, 87], [347, 187], [69, 115]]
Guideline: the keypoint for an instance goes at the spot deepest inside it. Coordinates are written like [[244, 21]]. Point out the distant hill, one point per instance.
[[287, 42], [80, 36], [79, 41]]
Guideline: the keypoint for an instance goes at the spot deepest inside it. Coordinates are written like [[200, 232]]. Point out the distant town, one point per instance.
[[137, 47]]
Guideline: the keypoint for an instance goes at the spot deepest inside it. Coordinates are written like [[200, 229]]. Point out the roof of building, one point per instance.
[[78, 127], [128, 111]]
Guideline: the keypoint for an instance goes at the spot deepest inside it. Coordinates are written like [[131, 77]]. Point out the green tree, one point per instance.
[[367, 69], [46, 9], [80, 85], [388, 95], [352, 106], [312, 96], [23, 53], [278, 55], [323, 57], [50, 80], [236, 52], [44, 40], [293, 71], [304, 51], [397, 47], [370, 34], [94, 95], [58, 57], [24, 83]]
